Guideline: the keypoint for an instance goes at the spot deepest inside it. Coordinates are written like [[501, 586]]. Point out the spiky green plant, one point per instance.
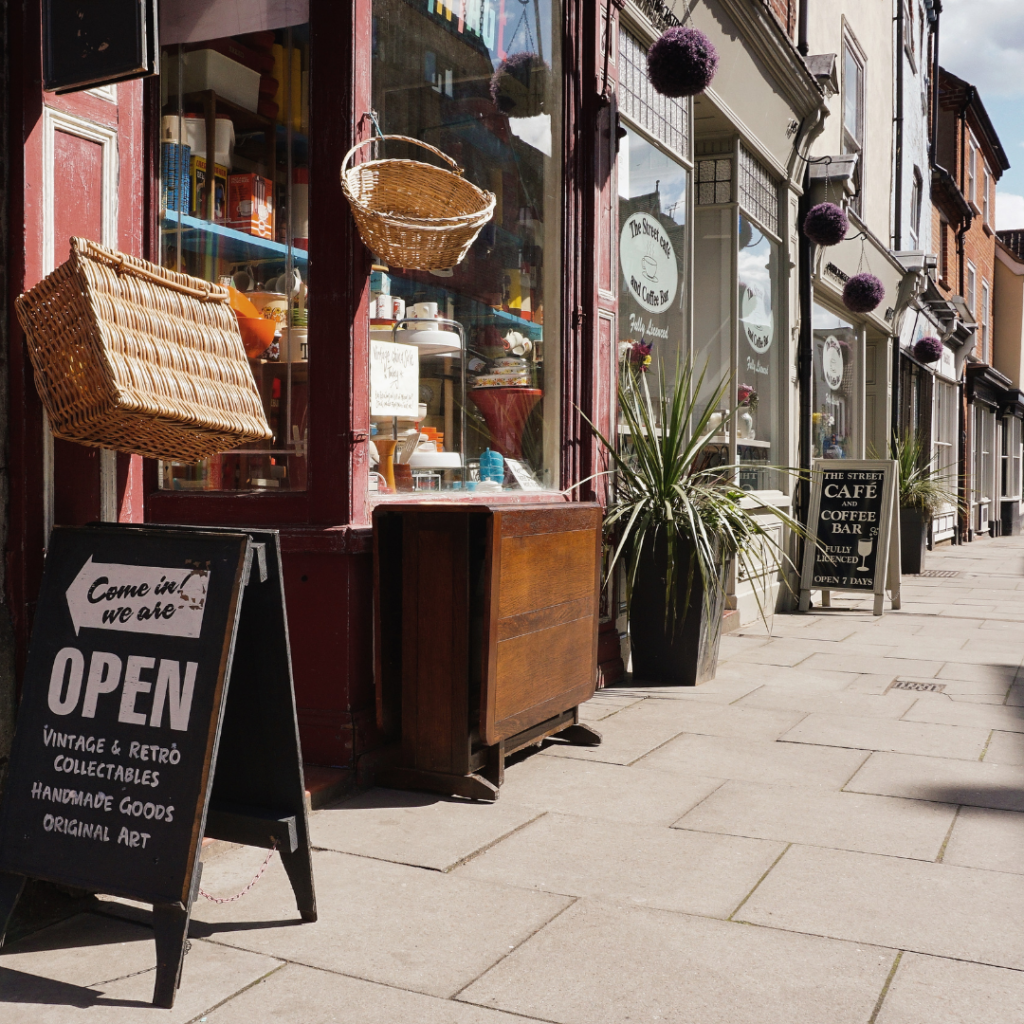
[[660, 489], [921, 481]]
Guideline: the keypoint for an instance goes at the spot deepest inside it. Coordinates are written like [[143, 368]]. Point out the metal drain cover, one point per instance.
[[920, 687], [940, 574]]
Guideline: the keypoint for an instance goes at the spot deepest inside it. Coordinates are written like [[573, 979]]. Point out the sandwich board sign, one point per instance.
[[853, 531], [157, 708]]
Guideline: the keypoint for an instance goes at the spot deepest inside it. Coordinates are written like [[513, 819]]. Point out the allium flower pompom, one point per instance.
[[863, 293], [928, 349], [682, 62], [826, 224], [519, 83]]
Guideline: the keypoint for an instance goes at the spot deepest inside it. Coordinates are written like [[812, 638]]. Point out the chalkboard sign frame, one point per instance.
[[244, 796], [129, 47], [886, 572]]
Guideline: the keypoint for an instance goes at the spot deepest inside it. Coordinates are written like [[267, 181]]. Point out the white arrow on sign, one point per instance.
[[138, 599]]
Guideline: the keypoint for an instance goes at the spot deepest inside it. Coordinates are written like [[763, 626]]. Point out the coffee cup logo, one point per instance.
[[648, 260]]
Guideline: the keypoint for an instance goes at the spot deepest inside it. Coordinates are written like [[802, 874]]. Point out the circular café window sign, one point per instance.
[[755, 317], [832, 362], [648, 262]]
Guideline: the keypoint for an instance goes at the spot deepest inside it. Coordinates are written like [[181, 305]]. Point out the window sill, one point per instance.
[[988, 230]]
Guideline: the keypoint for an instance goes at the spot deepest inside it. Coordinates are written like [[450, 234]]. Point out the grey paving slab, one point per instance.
[[1005, 748], [856, 661], [791, 651], [940, 709], [780, 675], [96, 968], [871, 683], [301, 995], [414, 828], [403, 926], [787, 764], [657, 867], [844, 702], [597, 790], [940, 909], [874, 733], [723, 689], [637, 730], [983, 838], [844, 821], [946, 780], [930, 990], [982, 671], [602, 704], [601, 964]]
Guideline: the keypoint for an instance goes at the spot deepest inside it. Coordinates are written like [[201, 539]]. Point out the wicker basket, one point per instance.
[[139, 359], [411, 214]]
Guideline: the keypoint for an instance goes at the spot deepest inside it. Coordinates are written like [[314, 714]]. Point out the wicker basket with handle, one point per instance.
[[411, 214], [139, 359]]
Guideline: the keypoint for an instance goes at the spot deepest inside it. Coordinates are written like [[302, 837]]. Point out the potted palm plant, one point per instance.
[[923, 492], [677, 519]]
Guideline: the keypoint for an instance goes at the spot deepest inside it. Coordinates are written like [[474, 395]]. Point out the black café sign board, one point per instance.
[[853, 531], [157, 708]]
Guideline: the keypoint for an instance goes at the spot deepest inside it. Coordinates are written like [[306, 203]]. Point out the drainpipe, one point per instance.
[[898, 190], [801, 46], [935, 85], [805, 349]]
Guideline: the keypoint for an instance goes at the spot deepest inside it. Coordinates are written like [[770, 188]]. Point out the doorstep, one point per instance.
[[730, 620], [323, 786]]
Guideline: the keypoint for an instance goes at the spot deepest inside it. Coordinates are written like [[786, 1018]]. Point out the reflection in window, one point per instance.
[[834, 412], [482, 83], [234, 167]]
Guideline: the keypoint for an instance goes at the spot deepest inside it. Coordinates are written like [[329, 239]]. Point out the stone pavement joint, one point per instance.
[[797, 841]]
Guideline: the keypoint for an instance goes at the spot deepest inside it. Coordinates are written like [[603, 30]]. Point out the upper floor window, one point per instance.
[[853, 108], [972, 156], [971, 289], [985, 180], [985, 305], [915, 208]]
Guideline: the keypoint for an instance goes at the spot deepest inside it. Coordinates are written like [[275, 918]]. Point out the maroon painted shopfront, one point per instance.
[[279, 100]]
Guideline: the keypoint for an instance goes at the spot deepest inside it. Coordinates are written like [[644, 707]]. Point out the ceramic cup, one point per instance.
[[423, 311]]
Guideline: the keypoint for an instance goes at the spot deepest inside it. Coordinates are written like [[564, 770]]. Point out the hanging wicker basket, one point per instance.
[[411, 214], [131, 357]]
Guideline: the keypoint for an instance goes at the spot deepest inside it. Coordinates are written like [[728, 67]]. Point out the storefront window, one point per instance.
[[835, 419], [482, 83], [759, 384], [652, 247], [235, 210]]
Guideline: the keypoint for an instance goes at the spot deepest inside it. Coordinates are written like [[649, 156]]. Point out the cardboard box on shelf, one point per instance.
[[251, 205], [197, 199]]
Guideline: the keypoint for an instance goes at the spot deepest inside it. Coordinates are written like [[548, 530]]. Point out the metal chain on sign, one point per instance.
[[238, 896]]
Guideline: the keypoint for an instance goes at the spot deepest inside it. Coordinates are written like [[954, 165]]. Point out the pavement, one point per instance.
[[830, 832]]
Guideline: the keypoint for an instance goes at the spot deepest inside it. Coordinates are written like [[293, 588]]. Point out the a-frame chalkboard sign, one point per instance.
[[158, 708], [853, 531]]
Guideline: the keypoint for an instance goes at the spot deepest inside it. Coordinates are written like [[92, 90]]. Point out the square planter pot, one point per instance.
[[913, 540], [683, 651]]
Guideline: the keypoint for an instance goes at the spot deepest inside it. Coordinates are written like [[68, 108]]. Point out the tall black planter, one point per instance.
[[913, 537], [680, 653]]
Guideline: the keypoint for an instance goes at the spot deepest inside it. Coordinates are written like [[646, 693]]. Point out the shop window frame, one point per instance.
[[340, 94]]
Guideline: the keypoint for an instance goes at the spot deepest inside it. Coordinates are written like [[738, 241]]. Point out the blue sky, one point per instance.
[[982, 41]]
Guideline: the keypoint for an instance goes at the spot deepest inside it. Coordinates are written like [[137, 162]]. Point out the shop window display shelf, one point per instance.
[[200, 236]]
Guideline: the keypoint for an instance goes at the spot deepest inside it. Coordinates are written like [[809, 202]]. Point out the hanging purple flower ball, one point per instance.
[[826, 224], [519, 83], [863, 293], [682, 62], [928, 349]]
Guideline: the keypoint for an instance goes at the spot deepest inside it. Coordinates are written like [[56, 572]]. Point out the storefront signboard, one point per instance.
[[128, 749], [853, 529], [86, 45], [649, 263]]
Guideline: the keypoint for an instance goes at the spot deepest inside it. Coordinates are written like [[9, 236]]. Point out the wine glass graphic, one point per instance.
[[864, 548]]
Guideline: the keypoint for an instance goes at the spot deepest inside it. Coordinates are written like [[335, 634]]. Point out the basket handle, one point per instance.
[[400, 138], [121, 266]]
